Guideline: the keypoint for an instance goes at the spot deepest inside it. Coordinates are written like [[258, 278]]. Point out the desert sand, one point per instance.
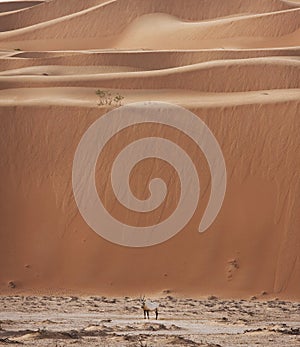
[[233, 64], [236, 65]]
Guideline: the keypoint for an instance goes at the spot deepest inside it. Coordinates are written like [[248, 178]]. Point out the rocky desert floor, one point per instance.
[[101, 321]]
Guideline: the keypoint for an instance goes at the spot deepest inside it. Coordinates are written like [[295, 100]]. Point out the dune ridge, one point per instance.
[[14, 6], [241, 75], [92, 22], [234, 64]]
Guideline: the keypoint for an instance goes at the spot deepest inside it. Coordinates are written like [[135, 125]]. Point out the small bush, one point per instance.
[[105, 97]]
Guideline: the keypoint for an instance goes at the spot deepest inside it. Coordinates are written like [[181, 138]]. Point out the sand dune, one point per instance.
[[54, 9], [260, 30], [147, 60], [77, 96], [12, 6], [234, 64], [89, 27], [45, 12], [240, 75]]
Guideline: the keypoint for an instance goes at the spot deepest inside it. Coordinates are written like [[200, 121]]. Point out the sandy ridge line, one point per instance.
[[11, 34], [198, 67], [278, 60], [29, 14], [85, 97], [10, 6], [66, 70], [102, 52], [38, 26], [214, 21]]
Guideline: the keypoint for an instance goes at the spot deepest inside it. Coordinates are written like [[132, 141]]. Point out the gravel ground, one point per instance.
[[100, 321]]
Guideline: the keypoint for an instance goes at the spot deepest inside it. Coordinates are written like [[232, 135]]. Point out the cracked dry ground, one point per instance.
[[101, 321]]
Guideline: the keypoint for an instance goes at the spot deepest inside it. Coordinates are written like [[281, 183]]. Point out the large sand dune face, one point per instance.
[[248, 95]]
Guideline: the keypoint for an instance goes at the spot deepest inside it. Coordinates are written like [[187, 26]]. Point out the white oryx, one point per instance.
[[148, 306]]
